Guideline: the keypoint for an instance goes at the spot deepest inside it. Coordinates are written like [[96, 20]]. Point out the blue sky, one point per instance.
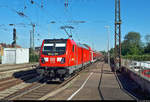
[[97, 14]]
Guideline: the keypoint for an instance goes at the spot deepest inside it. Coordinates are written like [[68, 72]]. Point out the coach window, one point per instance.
[[73, 48]]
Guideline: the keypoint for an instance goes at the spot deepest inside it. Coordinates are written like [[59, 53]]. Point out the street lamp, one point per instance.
[[108, 31]]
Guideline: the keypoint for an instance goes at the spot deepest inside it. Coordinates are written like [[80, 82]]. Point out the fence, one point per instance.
[[134, 70]]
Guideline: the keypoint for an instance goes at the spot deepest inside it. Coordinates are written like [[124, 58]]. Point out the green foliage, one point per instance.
[[31, 51], [132, 44], [133, 50], [103, 52], [137, 57], [147, 38], [33, 58], [111, 51], [147, 48], [132, 47], [133, 38]]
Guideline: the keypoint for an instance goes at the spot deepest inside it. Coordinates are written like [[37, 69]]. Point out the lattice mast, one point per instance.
[[117, 33]]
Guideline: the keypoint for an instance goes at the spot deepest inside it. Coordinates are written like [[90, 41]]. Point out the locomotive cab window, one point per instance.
[[54, 48], [60, 47], [48, 47]]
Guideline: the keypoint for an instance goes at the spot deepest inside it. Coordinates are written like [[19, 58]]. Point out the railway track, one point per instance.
[[10, 65], [16, 67], [37, 90], [19, 75], [12, 84], [9, 83], [40, 89], [9, 72]]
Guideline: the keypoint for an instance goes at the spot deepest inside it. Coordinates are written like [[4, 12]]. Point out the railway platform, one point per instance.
[[96, 82]]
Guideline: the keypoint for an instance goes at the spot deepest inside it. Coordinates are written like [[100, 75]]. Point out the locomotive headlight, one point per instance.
[[72, 59], [46, 59], [62, 60], [59, 59]]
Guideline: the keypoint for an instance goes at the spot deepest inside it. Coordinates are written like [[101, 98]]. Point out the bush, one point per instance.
[[137, 57], [33, 58]]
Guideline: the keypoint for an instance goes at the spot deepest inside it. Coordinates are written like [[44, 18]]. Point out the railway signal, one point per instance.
[[14, 34], [31, 33], [14, 38]]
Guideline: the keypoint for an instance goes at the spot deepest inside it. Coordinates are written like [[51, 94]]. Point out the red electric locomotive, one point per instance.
[[61, 57]]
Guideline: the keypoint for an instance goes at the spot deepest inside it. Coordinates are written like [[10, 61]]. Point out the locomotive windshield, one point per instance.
[[48, 47], [54, 48]]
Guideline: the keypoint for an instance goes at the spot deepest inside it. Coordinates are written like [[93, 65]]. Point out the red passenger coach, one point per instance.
[[61, 57]]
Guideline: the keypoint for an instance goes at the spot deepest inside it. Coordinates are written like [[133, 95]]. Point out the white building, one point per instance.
[[15, 55]]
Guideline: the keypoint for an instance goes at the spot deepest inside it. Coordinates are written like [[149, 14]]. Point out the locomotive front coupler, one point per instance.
[[51, 74]]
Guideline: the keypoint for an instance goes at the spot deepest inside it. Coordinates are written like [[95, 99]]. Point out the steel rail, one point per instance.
[[18, 68], [43, 89]]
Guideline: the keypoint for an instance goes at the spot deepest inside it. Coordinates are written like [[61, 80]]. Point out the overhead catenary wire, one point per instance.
[[25, 5], [41, 3], [46, 12], [20, 13], [70, 18], [76, 33], [34, 2], [67, 11]]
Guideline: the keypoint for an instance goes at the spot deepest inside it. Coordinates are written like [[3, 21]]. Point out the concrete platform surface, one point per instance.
[[93, 85]]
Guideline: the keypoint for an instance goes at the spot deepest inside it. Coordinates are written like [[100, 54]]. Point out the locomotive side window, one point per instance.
[[73, 48]]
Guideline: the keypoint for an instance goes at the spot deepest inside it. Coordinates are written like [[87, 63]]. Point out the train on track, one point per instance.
[[60, 58]]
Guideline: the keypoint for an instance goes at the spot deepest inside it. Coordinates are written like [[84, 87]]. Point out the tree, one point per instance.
[[147, 38], [103, 52], [124, 48], [133, 38], [132, 44], [147, 48]]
